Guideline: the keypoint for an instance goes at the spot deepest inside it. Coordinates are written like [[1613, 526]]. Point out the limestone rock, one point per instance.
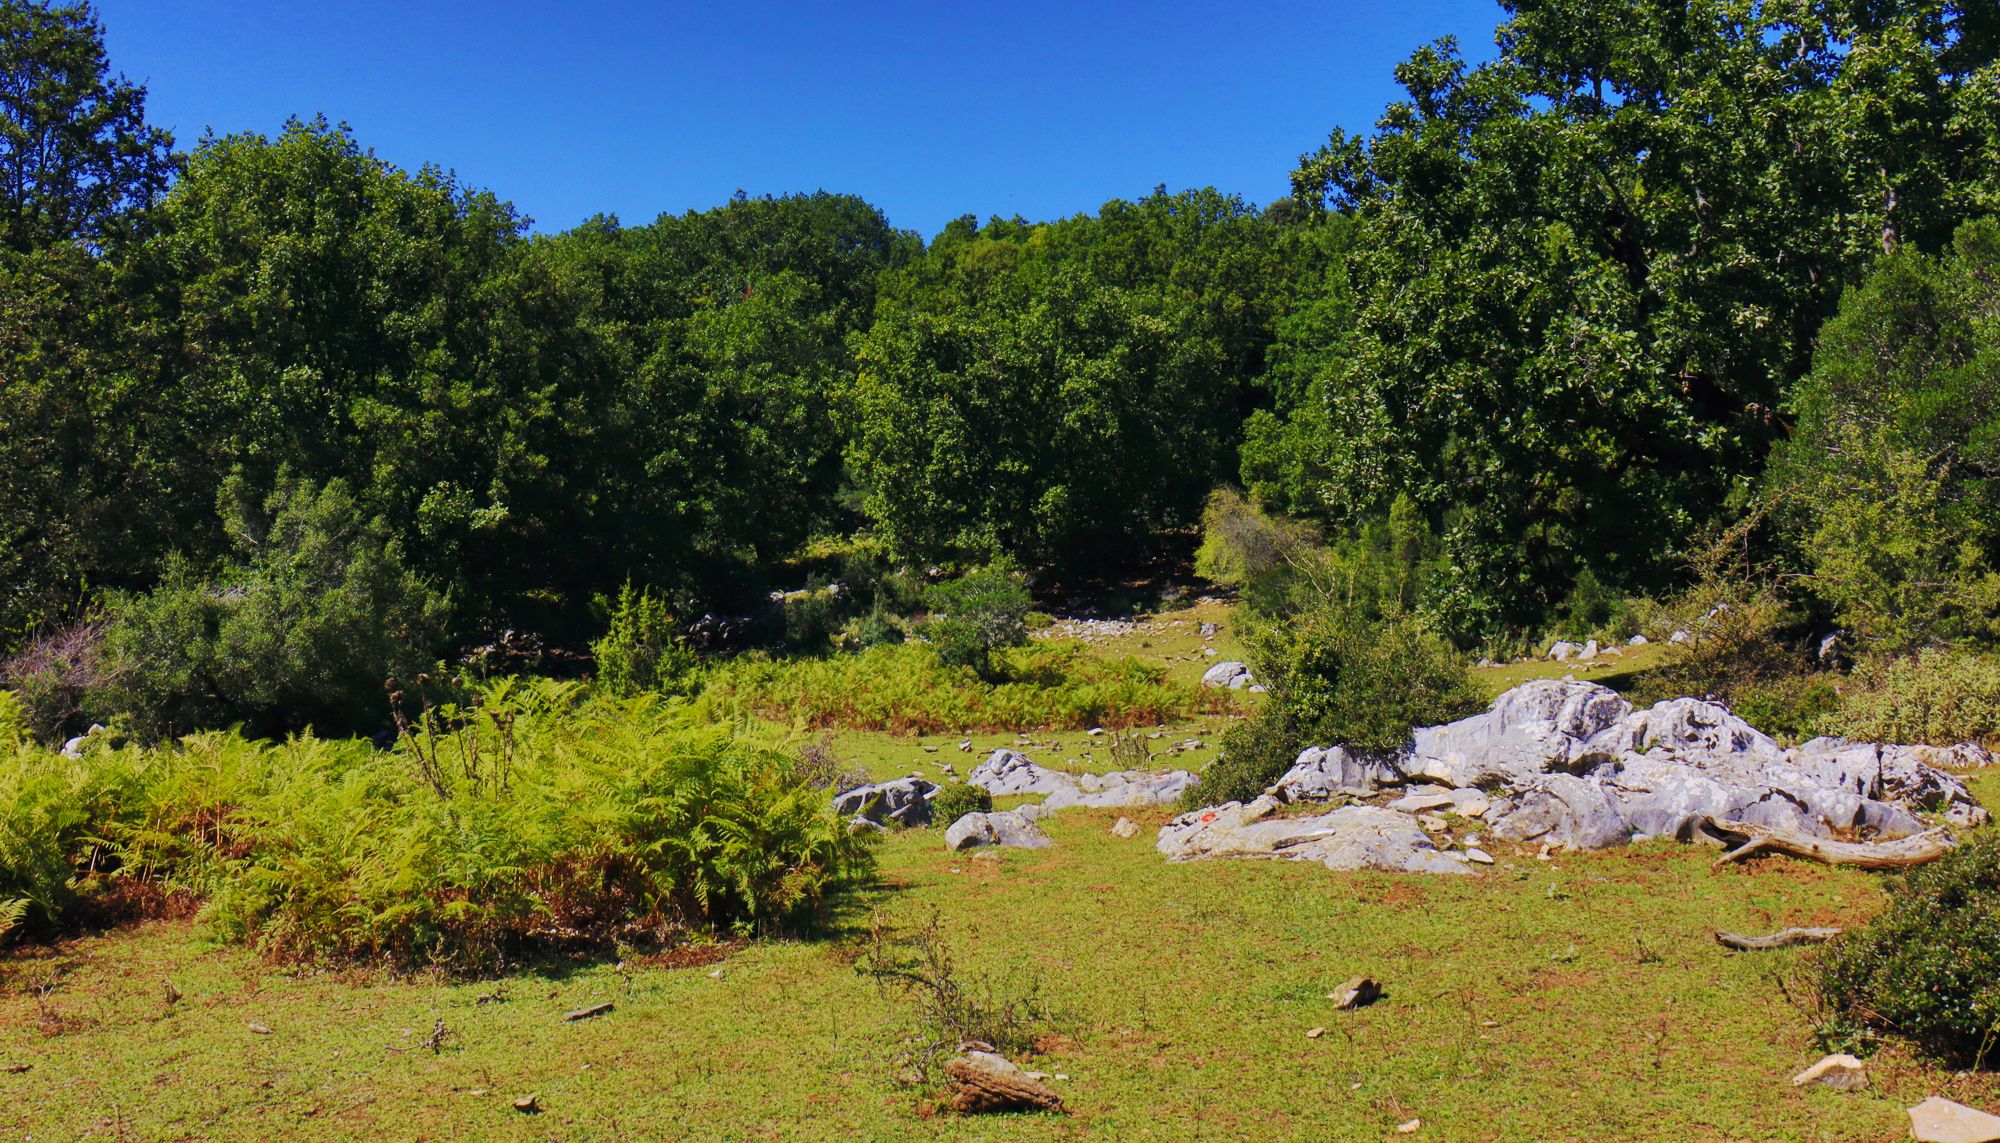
[[1229, 674], [1008, 772], [1942, 1121], [1323, 773], [1841, 1072], [1002, 828], [904, 802], [1350, 837], [1122, 788]]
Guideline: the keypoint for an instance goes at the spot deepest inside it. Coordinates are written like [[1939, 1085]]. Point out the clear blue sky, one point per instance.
[[929, 110]]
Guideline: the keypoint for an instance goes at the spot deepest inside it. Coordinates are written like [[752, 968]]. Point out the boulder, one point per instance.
[[1590, 650], [1121, 789], [1228, 674], [1350, 837], [903, 802], [1942, 1121], [1562, 651], [1637, 641], [1125, 828], [1538, 726], [1002, 828], [1007, 772], [1323, 773]]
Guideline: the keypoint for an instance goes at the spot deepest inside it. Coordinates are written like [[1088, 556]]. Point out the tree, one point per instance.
[[1587, 273], [76, 155], [976, 614]]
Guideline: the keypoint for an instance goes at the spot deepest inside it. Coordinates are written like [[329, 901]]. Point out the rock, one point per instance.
[[1537, 726], [1840, 1072], [257, 1029], [1470, 803], [1125, 827], [1421, 803], [1409, 1128], [1228, 674], [1008, 772], [1002, 828], [1942, 1121], [74, 747], [1478, 856], [1562, 651], [1356, 993], [1324, 773], [1637, 641], [863, 825], [1350, 837], [528, 1105], [1829, 647], [1678, 637], [986, 1081], [903, 802], [1257, 689], [1590, 650], [1094, 731], [1122, 789], [1208, 629], [1315, 1033], [1033, 811]]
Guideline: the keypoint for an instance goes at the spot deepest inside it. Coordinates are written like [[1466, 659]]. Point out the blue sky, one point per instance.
[[929, 110]]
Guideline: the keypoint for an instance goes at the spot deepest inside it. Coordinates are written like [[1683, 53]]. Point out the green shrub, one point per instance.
[[13, 721], [1928, 968], [976, 614], [908, 689], [1792, 706], [53, 676], [1337, 680], [954, 800], [1937, 696], [642, 651], [302, 633]]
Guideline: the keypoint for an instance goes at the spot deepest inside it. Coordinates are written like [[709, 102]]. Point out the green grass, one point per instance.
[[1185, 993], [1619, 672]]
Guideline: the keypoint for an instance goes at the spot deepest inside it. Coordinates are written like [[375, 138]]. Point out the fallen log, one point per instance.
[[576, 1014], [1783, 938], [1750, 839]]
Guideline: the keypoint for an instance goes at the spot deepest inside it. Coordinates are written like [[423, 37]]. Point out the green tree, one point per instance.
[[976, 614]]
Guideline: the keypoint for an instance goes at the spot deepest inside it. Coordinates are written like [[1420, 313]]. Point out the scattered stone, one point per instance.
[[903, 802], [1357, 993], [1942, 1121], [986, 1081], [587, 1012], [1315, 1033], [1122, 789], [1208, 629], [528, 1105], [715, 975], [1840, 1072], [18, 1069], [1637, 641], [1009, 772], [1094, 731], [1678, 637], [930, 750], [257, 1029], [1478, 856], [1002, 828], [1125, 827], [1229, 674], [1346, 838], [1590, 650], [1470, 803], [1421, 803], [1562, 651], [1409, 1128], [863, 825], [1433, 823], [965, 747]]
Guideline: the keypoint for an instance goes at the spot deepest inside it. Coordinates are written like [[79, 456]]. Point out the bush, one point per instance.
[[53, 676], [954, 800], [1928, 968], [908, 689], [526, 820], [1938, 697], [1792, 706], [642, 651], [976, 614], [13, 721], [302, 633], [1338, 680]]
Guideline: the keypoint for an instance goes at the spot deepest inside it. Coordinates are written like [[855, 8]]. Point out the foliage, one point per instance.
[[954, 800], [77, 157], [1936, 696], [1927, 969], [525, 819], [907, 689], [320, 611], [1888, 487], [976, 614], [1587, 272], [13, 721], [642, 651], [1338, 679], [53, 675]]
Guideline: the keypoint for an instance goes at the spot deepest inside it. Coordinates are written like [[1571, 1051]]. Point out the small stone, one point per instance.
[[1479, 856], [528, 1104], [1489, 1023], [1125, 827], [257, 1029], [966, 746], [1355, 993], [1095, 731], [716, 975], [1433, 823], [1060, 1076], [1421, 803], [1840, 1072], [930, 750], [1409, 1128], [1315, 1033], [1942, 1121]]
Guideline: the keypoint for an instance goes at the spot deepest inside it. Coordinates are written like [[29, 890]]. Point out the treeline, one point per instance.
[[279, 417]]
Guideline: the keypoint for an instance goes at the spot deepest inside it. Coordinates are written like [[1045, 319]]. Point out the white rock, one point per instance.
[[1350, 837], [1003, 828], [1942, 1121], [1841, 1072], [1479, 856], [1637, 641], [1124, 827], [1228, 674]]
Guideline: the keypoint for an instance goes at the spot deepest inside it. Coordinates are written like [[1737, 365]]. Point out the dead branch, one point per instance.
[[1783, 938], [1902, 853]]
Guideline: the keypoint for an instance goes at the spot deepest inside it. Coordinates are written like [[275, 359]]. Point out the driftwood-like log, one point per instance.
[[1783, 938], [992, 1089], [1750, 839]]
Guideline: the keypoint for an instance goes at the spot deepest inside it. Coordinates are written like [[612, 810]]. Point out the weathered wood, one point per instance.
[[982, 1088], [1750, 839], [1783, 938], [587, 1013]]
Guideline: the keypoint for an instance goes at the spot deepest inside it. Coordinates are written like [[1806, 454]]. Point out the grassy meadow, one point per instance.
[[1579, 998]]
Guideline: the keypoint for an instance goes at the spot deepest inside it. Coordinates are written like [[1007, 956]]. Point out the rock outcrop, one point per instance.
[[1229, 675], [1003, 828], [903, 802], [1350, 837]]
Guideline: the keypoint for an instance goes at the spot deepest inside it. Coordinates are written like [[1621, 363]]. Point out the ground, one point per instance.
[[1580, 998]]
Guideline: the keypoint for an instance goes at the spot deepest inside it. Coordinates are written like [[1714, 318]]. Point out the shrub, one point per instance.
[[1336, 679], [1928, 968], [954, 800], [13, 721], [302, 633], [947, 1006], [1742, 637], [52, 677], [642, 651], [908, 689], [1794, 706], [1937, 696], [977, 614]]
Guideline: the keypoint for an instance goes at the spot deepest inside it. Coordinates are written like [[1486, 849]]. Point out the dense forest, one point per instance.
[[280, 420]]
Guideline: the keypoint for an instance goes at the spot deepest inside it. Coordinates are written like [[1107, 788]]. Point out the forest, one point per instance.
[[344, 510]]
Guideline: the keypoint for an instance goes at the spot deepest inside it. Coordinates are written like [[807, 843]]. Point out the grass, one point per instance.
[[1186, 992], [1619, 672]]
